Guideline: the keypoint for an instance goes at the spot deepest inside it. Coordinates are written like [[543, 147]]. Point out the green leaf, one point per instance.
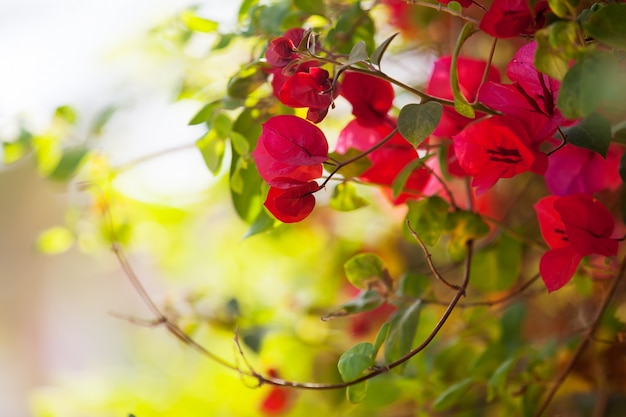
[[205, 114], [452, 396], [403, 327], [461, 105], [358, 53], [563, 8], [14, 151], [67, 114], [346, 33], [354, 362], [69, 163], [593, 133], [608, 25], [247, 197], [497, 267], [364, 269], [400, 181], [262, 223], [195, 23], [464, 226], [102, 118], [412, 285], [355, 168], [586, 84], [356, 393], [511, 327], [548, 58], [496, 386], [240, 143], [345, 198], [311, 6], [55, 240], [378, 53], [428, 218], [417, 121], [365, 301], [242, 84], [455, 6], [212, 148], [381, 336]]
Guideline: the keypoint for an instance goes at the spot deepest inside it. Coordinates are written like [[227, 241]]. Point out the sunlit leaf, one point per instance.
[[345, 198], [242, 84], [69, 163], [205, 114], [364, 269], [55, 240], [428, 218], [464, 226], [354, 362], [381, 336], [417, 121], [195, 23], [212, 148], [67, 114]]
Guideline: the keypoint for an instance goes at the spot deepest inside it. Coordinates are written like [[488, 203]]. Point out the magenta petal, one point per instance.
[[558, 266]]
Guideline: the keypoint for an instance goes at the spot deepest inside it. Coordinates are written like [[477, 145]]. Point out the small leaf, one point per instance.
[[497, 382], [400, 181], [195, 23], [464, 226], [452, 395], [357, 54], [354, 362], [461, 105], [69, 163], [593, 133], [455, 6], [417, 121], [382, 335], [364, 269], [561, 8], [548, 59], [365, 301], [205, 114], [345, 198], [55, 240], [428, 218], [240, 143], [212, 149], [353, 169], [378, 53], [403, 327], [261, 224], [67, 114], [608, 25], [242, 84], [356, 393]]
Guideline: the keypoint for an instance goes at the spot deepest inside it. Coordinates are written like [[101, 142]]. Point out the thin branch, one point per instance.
[[442, 8], [131, 164], [429, 259], [584, 342]]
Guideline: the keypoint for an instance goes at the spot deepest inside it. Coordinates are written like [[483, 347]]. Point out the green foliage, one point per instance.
[[593, 133], [428, 217], [366, 270], [402, 330], [345, 198], [417, 122], [461, 105], [608, 25]]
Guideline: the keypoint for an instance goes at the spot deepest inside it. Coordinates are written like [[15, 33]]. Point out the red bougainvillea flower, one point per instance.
[[531, 98], [387, 161], [290, 151], [371, 97], [293, 204], [573, 226], [511, 18], [310, 88], [284, 49], [494, 148], [470, 76], [573, 170]]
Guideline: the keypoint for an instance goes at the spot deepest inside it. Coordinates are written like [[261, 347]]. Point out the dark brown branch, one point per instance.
[[587, 338]]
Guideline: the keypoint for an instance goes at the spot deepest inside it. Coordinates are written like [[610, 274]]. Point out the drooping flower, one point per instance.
[[470, 76], [511, 18], [494, 148], [293, 204], [284, 49], [290, 150], [573, 227], [310, 88]]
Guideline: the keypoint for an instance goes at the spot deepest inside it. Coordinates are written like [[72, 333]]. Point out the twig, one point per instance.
[[584, 342], [429, 260]]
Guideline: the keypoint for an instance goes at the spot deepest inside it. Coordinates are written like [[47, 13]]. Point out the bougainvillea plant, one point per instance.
[[505, 164]]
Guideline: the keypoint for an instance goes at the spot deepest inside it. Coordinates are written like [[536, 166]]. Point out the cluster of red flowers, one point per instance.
[[512, 140]]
